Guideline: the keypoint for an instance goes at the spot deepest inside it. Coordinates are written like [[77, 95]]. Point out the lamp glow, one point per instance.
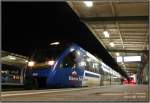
[[88, 3], [31, 63], [55, 43], [117, 54], [12, 57], [106, 34], [51, 62], [111, 44]]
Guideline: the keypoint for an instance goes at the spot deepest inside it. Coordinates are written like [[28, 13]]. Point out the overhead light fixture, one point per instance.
[[12, 57], [55, 43], [111, 44], [26, 61], [106, 34], [117, 54], [88, 3]]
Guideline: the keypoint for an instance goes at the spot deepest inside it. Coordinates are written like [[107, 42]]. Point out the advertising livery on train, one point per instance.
[[70, 66]]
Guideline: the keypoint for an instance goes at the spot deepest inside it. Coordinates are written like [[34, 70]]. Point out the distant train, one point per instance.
[[70, 66], [131, 81]]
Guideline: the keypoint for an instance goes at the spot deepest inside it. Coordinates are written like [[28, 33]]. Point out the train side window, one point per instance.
[[89, 64], [101, 71], [10, 74], [69, 60]]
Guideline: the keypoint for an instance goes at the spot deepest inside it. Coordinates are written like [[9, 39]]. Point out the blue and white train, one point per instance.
[[69, 67]]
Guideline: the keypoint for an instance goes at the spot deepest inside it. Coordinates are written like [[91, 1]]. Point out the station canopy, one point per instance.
[[13, 59], [121, 26]]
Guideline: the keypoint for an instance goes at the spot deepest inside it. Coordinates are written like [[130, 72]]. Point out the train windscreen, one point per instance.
[[51, 53]]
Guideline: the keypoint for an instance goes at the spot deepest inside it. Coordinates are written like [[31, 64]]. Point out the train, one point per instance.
[[131, 81], [68, 66]]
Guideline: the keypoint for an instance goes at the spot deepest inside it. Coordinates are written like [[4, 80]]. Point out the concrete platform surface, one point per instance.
[[104, 93]]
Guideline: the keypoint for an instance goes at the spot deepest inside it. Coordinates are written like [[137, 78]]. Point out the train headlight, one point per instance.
[[31, 63], [51, 62]]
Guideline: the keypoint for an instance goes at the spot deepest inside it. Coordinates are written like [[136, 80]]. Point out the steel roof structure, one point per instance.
[[125, 21]]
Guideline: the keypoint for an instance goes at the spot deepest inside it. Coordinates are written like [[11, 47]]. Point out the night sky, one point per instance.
[[27, 26]]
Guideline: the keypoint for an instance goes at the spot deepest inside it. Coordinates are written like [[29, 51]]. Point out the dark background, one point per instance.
[[27, 26]]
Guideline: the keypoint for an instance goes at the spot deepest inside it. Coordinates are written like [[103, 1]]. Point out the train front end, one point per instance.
[[37, 75], [55, 67]]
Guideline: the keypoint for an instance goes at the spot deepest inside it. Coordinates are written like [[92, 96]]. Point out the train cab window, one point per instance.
[[51, 53], [69, 60], [89, 63]]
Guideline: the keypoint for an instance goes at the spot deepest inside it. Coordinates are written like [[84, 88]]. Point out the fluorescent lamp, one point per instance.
[[111, 44], [117, 54], [88, 3], [12, 57], [55, 43], [106, 34]]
